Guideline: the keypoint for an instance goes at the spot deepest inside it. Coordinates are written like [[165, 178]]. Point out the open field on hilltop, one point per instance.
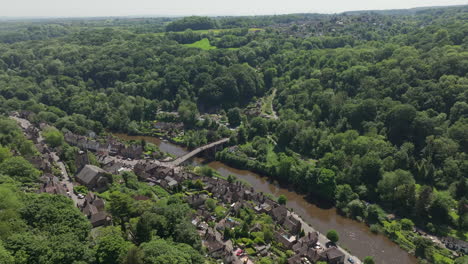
[[201, 44]]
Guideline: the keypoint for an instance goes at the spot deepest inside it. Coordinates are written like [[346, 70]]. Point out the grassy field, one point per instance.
[[201, 44]]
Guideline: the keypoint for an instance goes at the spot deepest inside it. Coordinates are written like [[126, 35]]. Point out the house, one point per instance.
[[115, 148], [94, 208], [305, 256], [92, 145], [263, 208], [71, 138], [92, 177], [332, 256], [262, 250], [284, 238], [51, 184], [455, 244], [132, 152], [103, 149], [113, 167], [227, 223], [213, 242], [204, 214], [196, 200], [310, 239], [41, 163], [100, 219], [163, 172], [279, 214], [292, 224], [81, 159], [145, 170], [168, 183], [89, 209]]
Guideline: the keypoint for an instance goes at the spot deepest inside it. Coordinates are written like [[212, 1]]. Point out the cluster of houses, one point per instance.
[[236, 196], [93, 207], [455, 244], [110, 146], [167, 177], [51, 184], [91, 176], [44, 161]]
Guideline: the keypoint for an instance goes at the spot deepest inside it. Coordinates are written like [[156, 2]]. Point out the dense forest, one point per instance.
[[366, 111]]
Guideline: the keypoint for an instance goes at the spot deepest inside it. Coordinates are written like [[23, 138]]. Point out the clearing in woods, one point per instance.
[[201, 44]]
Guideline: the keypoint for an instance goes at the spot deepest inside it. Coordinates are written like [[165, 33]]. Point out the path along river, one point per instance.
[[354, 236]]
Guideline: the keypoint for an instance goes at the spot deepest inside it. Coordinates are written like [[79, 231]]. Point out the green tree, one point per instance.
[[406, 224], [332, 235], [188, 113], [234, 117], [5, 256], [400, 123], [326, 184], [19, 169], [369, 260], [53, 137], [159, 251], [144, 228], [111, 247], [121, 207], [424, 247], [440, 208], [185, 232], [4, 154], [393, 182], [210, 204], [282, 199], [344, 195], [461, 260], [134, 256], [10, 204]]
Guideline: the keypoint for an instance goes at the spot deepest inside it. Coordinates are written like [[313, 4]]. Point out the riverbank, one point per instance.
[[402, 232], [354, 236]]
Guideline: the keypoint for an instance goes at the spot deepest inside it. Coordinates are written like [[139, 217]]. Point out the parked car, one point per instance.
[[350, 260], [80, 196]]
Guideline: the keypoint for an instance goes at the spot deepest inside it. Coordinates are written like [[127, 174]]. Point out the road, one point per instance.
[[323, 240], [66, 179]]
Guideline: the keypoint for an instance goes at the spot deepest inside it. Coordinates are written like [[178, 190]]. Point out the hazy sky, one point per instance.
[[75, 8]]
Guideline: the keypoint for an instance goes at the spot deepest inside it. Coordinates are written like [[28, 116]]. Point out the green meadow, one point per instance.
[[201, 44]]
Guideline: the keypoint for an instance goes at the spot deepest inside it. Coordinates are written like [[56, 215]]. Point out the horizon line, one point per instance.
[[217, 15]]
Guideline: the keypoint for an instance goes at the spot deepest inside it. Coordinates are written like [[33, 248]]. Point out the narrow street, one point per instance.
[[66, 179]]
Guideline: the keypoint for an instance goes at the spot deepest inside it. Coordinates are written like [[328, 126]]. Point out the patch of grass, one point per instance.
[[441, 259], [267, 104], [255, 29], [203, 44], [159, 191]]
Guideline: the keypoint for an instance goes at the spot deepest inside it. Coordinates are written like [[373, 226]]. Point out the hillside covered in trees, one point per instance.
[[364, 111]]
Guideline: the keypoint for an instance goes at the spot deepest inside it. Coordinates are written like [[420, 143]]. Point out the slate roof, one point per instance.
[[89, 173], [98, 219], [332, 254]]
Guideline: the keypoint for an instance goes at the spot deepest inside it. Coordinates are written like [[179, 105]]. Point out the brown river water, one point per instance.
[[354, 236]]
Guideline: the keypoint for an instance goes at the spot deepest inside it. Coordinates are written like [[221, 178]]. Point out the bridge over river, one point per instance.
[[193, 153]]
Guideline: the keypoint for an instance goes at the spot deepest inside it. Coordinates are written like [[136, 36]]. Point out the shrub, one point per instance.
[[332, 235]]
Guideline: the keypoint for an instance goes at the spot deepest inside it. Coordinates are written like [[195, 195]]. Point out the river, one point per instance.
[[354, 236]]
